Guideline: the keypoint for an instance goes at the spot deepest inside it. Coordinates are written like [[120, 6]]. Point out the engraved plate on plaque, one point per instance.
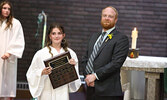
[[62, 71]]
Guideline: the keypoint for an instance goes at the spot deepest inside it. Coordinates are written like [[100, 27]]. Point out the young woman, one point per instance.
[[37, 74], [11, 48]]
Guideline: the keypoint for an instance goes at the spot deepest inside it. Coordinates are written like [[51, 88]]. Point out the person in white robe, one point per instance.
[[37, 74], [11, 47]]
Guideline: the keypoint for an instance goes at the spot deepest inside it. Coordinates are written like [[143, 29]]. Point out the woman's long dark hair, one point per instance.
[[10, 17], [64, 43]]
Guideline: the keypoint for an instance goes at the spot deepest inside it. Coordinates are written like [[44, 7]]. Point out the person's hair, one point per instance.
[[64, 43], [10, 17], [116, 16]]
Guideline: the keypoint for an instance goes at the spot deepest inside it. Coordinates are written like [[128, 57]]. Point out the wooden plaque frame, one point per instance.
[[62, 72]]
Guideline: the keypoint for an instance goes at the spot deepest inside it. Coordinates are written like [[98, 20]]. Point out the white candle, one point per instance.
[[134, 38]]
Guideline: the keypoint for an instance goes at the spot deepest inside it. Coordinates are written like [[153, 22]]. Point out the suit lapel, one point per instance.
[[106, 41]]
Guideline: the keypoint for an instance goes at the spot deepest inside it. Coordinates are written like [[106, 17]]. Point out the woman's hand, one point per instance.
[[47, 71], [72, 62], [6, 56]]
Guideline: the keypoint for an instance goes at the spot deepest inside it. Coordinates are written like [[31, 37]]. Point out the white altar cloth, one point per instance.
[[146, 62]]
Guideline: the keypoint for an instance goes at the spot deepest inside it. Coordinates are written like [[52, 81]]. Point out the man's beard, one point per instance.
[[107, 25]]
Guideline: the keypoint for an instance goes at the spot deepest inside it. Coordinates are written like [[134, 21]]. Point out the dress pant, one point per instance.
[[90, 95]]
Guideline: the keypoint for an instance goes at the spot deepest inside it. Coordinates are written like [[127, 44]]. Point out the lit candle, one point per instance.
[[134, 38]]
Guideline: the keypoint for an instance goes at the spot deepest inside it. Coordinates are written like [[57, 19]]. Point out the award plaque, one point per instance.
[[62, 71]]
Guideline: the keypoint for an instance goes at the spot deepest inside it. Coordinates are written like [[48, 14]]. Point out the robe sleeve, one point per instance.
[[75, 85], [16, 45], [34, 78]]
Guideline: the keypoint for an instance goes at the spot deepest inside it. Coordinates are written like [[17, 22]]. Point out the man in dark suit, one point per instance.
[[102, 72]]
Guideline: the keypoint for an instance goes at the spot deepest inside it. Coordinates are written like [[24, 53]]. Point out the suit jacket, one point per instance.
[[108, 62]]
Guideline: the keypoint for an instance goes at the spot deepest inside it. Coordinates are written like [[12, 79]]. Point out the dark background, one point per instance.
[[81, 18]]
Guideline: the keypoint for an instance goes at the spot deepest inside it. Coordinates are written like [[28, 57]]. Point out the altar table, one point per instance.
[[153, 68]]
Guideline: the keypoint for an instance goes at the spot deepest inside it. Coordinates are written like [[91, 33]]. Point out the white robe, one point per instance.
[[40, 86], [11, 41]]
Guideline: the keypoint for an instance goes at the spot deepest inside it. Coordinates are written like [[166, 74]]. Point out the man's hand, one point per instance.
[[90, 80], [92, 84]]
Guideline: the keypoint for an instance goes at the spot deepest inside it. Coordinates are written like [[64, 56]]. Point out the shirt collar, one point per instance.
[[109, 30]]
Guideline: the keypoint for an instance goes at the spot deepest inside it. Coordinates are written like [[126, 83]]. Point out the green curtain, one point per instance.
[[165, 80]]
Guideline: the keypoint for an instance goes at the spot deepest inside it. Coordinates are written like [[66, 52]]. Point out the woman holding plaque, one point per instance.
[[38, 74]]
